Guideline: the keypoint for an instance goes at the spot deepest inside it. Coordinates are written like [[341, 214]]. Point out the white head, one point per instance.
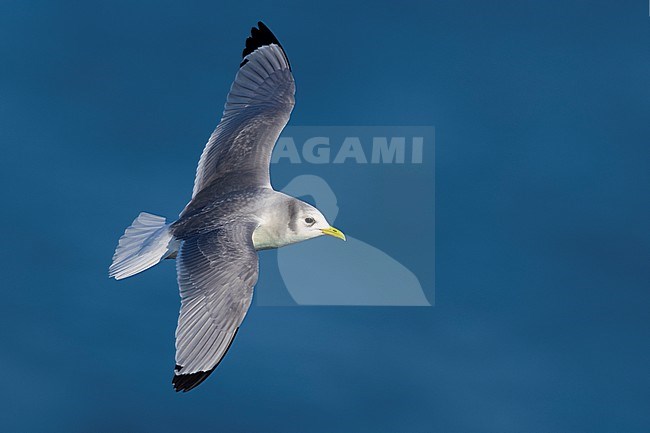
[[292, 221], [304, 222]]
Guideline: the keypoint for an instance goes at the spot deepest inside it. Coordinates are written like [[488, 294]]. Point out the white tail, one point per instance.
[[145, 243]]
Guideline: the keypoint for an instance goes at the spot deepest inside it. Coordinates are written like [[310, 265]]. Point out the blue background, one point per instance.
[[542, 113]]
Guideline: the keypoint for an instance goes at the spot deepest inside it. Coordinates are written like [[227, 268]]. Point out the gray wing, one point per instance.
[[257, 109], [216, 274]]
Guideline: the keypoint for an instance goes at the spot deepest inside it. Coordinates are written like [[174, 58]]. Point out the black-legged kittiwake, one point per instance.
[[233, 213]]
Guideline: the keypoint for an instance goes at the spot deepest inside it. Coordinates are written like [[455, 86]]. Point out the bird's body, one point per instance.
[[234, 212], [271, 211]]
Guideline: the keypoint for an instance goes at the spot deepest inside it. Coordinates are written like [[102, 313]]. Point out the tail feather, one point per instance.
[[145, 243]]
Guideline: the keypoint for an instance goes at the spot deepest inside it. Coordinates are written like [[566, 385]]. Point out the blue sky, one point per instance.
[[541, 112]]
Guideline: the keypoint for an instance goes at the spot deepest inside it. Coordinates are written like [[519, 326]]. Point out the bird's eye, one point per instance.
[[310, 220]]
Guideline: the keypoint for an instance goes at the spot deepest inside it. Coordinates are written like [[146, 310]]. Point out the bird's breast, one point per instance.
[[266, 237]]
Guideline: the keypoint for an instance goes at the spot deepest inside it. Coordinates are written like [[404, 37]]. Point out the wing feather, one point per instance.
[[216, 274], [257, 108]]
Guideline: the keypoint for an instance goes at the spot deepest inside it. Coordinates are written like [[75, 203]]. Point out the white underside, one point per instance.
[[264, 239]]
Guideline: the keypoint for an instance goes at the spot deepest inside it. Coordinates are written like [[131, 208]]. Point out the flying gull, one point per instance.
[[234, 212]]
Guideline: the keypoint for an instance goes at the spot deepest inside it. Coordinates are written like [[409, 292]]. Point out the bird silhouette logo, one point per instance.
[[365, 275]]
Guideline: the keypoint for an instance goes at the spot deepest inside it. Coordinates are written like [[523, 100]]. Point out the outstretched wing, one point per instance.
[[216, 274], [257, 109]]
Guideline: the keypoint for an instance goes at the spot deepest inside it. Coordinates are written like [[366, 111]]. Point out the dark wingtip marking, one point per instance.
[[187, 382], [260, 37]]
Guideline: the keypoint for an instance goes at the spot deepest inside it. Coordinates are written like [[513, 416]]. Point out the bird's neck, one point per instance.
[[275, 229]]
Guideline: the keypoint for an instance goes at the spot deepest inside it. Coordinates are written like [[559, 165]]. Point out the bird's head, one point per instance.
[[306, 222]]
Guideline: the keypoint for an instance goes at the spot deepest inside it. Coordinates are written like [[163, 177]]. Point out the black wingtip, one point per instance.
[[186, 382], [260, 37]]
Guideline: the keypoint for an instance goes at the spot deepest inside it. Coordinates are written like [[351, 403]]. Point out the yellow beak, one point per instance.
[[333, 232]]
